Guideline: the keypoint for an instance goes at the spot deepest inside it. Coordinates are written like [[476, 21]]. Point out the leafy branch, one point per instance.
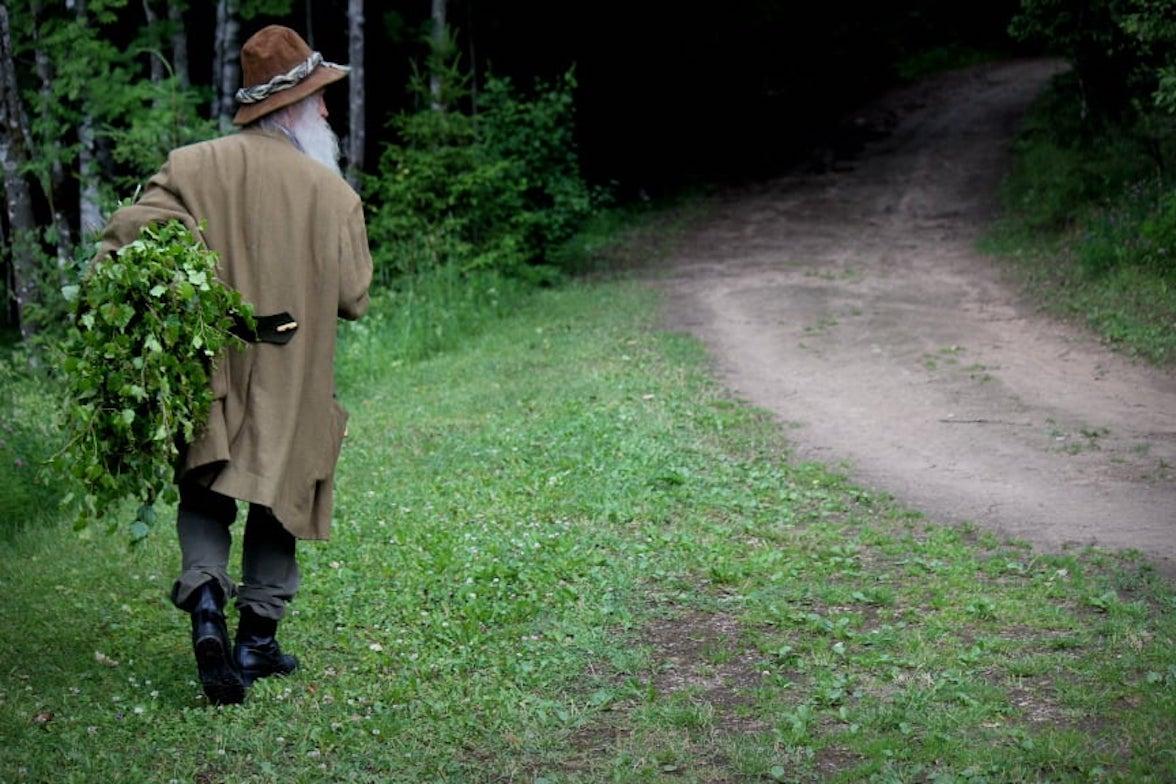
[[149, 323]]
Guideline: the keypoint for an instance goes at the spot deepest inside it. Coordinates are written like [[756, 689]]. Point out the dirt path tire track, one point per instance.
[[854, 305]]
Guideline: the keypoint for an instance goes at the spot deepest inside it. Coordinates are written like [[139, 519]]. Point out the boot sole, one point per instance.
[[249, 676], [222, 683]]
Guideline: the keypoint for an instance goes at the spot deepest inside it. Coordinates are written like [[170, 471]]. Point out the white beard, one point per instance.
[[313, 134]]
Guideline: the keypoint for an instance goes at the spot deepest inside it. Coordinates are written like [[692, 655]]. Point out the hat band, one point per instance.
[[259, 92]]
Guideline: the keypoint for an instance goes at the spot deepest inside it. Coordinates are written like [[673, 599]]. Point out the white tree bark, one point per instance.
[[218, 50], [179, 42], [356, 136], [156, 64], [90, 214], [89, 211], [438, 42], [18, 203], [56, 178], [230, 75], [226, 74]]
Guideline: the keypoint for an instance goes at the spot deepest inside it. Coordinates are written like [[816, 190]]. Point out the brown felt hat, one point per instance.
[[279, 69]]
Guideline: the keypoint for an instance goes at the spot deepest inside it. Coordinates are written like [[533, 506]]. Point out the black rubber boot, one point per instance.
[[222, 682], [257, 653]]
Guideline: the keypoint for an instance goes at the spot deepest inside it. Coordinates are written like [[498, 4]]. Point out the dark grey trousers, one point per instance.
[[269, 571]]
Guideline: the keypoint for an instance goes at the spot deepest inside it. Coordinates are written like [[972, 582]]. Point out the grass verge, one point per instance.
[[28, 437], [1090, 224], [562, 554]]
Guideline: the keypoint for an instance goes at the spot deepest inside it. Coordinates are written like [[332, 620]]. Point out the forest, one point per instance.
[[663, 95], [653, 285]]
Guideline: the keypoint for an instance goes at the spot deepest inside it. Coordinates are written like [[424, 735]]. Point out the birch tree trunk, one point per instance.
[[156, 64], [89, 211], [56, 178], [355, 106], [438, 43], [90, 214], [18, 203], [179, 43], [226, 73], [218, 51]]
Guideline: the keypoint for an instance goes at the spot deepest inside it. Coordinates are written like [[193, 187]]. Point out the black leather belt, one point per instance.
[[278, 328]]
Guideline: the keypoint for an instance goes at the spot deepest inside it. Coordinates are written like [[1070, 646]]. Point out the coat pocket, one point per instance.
[[339, 418]]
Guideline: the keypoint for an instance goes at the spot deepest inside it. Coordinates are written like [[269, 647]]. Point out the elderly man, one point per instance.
[[291, 238]]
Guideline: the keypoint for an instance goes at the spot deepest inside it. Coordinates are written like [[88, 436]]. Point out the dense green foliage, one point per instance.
[[1090, 204], [98, 79], [151, 319], [1123, 51], [491, 191], [562, 554], [1092, 218]]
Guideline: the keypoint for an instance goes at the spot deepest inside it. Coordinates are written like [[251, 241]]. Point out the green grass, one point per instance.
[[1131, 307], [562, 554], [1090, 225], [28, 438]]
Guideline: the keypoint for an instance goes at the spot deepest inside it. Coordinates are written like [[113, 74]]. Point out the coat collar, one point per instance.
[[281, 134]]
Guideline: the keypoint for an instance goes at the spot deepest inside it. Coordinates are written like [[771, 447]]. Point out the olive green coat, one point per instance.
[[290, 235]]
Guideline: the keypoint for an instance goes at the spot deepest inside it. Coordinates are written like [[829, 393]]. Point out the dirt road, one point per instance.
[[854, 305]]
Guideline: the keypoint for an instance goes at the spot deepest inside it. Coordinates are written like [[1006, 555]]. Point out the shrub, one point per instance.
[[536, 136], [1122, 50], [1138, 229], [1159, 232], [1096, 206], [492, 191]]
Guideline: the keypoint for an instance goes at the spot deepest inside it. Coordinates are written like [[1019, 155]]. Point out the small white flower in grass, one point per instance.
[[335, 564], [313, 754], [375, 731], [280, 739], [139, 710], [375, 646]]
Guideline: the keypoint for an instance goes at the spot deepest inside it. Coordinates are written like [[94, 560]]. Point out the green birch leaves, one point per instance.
[[149, 322]]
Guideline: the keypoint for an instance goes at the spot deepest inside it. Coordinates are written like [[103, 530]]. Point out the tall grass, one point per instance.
[[424, 314], [28, 437]]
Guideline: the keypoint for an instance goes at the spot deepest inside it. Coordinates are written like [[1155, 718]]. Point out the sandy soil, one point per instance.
[[853, 304]]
